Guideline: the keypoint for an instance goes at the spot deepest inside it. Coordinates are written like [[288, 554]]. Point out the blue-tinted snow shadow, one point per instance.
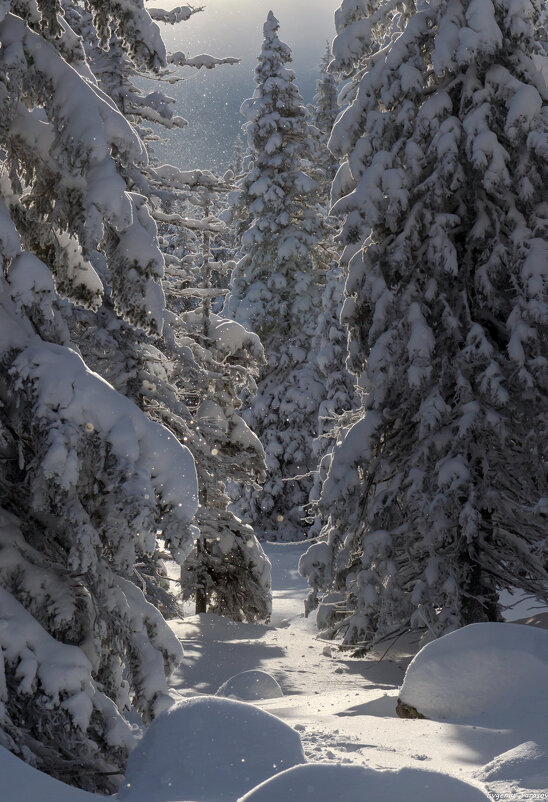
[[385, 707], [217, 649], [208, 626], [385, 675]]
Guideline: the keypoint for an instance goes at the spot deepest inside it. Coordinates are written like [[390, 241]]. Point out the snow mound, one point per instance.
[[250, 686], [321, 782], [526, 764], [209, 750], [23, 783], [493, 675]]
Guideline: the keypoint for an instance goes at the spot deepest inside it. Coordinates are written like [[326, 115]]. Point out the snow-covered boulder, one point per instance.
[[493, 675], [21, 782], [209, 750], [250, 686], [322, 782]]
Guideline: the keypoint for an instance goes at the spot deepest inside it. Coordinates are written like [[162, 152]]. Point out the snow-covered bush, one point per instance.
[[437, 488]]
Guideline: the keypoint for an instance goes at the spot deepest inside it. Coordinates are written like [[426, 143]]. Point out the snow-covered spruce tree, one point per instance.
[[276, 290], [435, 493], [363, 28], [189, 381], [86, 479], [227, 572]]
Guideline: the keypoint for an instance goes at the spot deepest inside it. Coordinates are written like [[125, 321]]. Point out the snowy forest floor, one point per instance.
[[343, 707], [344, 711]]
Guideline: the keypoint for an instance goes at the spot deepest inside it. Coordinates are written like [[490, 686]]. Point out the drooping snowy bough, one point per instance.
[[168, 373], [86, 479], [435, 495]]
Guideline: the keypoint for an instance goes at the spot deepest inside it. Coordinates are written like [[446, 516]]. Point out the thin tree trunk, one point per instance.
[[480, 600], [201, 579]]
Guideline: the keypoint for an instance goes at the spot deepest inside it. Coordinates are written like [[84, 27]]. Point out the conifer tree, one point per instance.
[[196, 365], [227, 573], [276, 288], [435, 493], [86, 479]]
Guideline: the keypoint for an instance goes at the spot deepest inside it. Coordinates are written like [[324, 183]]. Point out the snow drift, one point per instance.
[[209, 750], [319, 782]]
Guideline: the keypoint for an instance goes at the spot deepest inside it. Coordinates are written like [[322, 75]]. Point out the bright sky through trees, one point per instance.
[[234, 28]]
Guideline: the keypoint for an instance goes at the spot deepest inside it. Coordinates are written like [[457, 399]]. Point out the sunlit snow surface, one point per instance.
[[343, 709]]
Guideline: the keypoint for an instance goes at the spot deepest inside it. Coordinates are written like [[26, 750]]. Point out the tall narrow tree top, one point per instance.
[[271, 25]]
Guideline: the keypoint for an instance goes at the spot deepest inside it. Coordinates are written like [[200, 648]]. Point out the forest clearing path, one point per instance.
[[343, 707]]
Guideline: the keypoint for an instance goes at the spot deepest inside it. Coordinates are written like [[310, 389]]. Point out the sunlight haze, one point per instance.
[[234, 28]]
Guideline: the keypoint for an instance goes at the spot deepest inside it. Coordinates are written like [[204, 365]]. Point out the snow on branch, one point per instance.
[[81, 112], [61, 670], [203, 60], [65, 388], [189, 179], [212, 224], [179, 14], [355, 448]]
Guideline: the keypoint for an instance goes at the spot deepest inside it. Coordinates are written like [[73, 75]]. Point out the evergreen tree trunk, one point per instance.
[[480, 597], [201, 580]]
